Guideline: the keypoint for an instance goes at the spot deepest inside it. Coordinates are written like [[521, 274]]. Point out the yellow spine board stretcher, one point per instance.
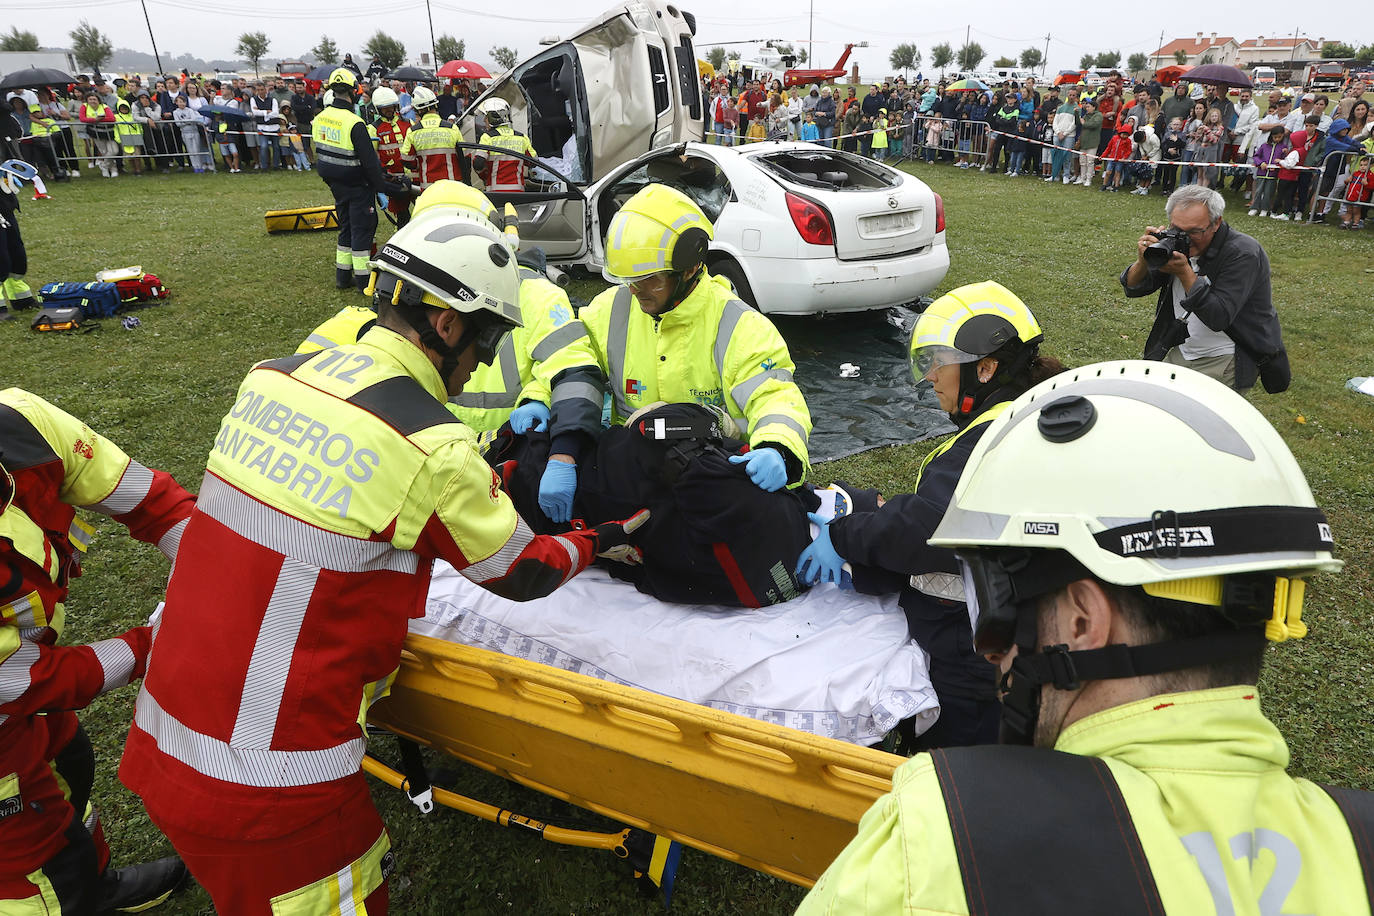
[[774, 799], [302, 219]]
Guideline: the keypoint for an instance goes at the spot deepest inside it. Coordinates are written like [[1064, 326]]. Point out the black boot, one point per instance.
[[135, 888], [23, 302], [5, 313], [343, 277], [361, 281]]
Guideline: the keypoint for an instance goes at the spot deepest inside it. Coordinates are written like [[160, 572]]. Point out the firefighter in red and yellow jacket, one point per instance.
[[431, 147], [53, 857], [391, 130], [336, 479]]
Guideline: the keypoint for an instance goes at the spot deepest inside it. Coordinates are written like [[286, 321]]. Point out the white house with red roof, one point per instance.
[[1211, 49]]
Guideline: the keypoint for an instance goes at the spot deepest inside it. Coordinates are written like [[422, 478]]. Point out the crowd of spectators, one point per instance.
[[1143, 137], [185, 123]]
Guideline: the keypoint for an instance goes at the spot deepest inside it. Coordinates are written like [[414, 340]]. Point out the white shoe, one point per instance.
[[1281, 217], [1264, 213], [1252, 212]]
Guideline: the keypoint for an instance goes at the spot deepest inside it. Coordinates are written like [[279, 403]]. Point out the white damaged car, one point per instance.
[[800, 229]]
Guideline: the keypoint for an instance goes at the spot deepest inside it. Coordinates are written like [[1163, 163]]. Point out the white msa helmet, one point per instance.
[[1137, 474]]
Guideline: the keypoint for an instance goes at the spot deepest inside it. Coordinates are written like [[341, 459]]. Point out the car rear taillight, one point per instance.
[[939, 213], [811, 220]]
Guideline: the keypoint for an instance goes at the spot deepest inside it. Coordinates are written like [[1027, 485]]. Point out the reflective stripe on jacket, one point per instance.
[[57, 462], [335, 479], [390, 134], [1224, 828], [332, 132], [531, 357], [343, 327], [432, 147], [711, 349], [507, 172]]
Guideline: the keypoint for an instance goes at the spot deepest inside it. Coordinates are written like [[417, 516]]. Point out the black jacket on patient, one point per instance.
[[713, 537]]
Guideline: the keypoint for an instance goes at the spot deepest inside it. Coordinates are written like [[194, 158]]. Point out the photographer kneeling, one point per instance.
[[1215, 314]]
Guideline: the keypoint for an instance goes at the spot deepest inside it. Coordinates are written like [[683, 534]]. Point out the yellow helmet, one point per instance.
[[968, 323], [342, 76], [660, 229], [455, 195]]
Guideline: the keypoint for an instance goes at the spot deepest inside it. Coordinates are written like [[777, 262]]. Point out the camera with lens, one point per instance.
[[1170, 240]]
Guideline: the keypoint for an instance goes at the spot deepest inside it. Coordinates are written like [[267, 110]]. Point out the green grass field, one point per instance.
[[241, 296]]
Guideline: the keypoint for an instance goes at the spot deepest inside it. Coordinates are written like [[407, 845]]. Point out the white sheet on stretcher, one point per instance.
[[831, 662]]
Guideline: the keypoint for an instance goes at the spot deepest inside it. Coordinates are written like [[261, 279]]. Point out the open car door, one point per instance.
[[625, 84]]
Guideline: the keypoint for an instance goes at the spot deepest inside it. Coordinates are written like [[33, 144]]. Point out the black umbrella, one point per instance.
[[411, 75], [1218, 75], [228, 112], [35, 78], [321, 73]]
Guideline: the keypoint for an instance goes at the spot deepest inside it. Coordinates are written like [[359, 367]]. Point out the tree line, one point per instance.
[[92, 48]]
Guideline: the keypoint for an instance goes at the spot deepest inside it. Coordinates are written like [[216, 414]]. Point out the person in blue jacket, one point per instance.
[[1337, 141], [979, 348]]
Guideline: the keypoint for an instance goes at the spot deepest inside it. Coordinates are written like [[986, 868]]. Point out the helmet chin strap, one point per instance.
[[973, 393], [449, 356], [1058, 666], [681, 290]]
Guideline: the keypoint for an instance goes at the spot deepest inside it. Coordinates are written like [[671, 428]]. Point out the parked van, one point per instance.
[[1264, 77]]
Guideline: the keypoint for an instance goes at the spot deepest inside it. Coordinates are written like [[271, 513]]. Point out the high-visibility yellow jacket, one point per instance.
[[532, 355], [344, 327], [1203, 776], [336, 479], [711, 349], [53, 462]]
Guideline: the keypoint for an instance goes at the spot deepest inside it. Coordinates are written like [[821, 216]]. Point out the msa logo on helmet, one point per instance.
[[400, 257], [1042, 528], [1324, 533], [1190, 536]]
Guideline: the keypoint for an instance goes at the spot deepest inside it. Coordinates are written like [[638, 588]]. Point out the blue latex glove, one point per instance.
[[383, 201], [556, 489], [820, 562], [531, 415], [765, 468]]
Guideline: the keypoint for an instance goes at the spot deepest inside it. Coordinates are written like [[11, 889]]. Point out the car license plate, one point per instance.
[[884, 223]]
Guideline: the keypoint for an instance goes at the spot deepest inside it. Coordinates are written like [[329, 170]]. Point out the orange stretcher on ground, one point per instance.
[[774, 799]]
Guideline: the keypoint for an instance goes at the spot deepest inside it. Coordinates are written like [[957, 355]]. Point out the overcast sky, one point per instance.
[[209, 28]]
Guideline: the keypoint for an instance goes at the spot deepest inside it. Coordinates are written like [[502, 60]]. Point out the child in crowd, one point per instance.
[[880, 135], [865, 131], [1117, 156], [756, 131], [1041, 130], [129, 137], [1143, 157], [896, 135], [1357, 193], [188, 120], [1289, 176], [810, 133], [1019, 145], [1266, 160], [228, 149], [1170, 153], [934, 128], [292, 149]]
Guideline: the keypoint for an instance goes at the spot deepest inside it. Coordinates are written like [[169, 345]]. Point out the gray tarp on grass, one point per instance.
[[883, 405]]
